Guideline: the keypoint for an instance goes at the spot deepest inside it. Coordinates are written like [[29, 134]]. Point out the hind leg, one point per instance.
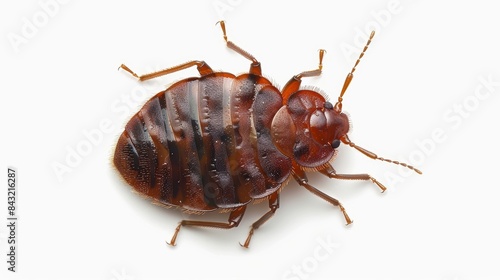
[[234, 220], [203, 69]]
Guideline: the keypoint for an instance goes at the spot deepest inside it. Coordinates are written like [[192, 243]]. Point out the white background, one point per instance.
[[59, 82]]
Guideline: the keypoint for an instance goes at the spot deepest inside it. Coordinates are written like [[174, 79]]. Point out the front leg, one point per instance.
[[330, 172], [300, 176]]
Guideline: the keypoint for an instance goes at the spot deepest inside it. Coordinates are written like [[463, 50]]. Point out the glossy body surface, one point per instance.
[[205, 143], [220, 141]]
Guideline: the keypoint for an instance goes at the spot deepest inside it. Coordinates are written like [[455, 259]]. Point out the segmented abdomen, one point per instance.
[[205, 143]]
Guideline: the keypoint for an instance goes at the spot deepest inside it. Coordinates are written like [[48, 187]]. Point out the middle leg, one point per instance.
[[274, 204], [301, 178], [255, 66]]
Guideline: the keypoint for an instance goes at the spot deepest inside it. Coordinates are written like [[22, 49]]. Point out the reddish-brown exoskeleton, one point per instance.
[[220, 141]]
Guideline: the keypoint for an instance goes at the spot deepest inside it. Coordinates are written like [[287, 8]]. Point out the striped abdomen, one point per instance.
[[205, 143]]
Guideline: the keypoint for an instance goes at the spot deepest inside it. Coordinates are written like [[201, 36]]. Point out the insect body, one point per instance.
[[220, 141]]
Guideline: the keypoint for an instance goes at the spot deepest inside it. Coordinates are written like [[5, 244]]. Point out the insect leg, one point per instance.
[[203, 68], [294, 83], [255, 66], [274, 204], [234, 219], [330, 172], [301, 178]]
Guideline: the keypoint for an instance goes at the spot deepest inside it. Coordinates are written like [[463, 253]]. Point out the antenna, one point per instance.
[[348, 79], [372, 155]]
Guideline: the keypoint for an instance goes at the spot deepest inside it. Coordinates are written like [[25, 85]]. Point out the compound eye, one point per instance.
[[335, 143], [328, 105]]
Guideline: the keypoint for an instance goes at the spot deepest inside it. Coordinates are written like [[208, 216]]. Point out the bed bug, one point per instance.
[[220, 141]]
